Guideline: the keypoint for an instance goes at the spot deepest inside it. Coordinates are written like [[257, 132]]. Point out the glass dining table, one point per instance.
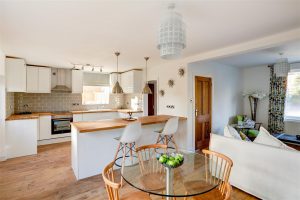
[[190, 179]]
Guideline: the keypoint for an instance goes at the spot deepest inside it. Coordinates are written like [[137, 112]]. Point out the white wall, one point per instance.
[[258, 78], [254, 79], [226, 95], [2, 105], [177, 95]]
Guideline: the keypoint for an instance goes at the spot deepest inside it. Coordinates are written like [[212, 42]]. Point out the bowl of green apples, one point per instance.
[[172, 160]]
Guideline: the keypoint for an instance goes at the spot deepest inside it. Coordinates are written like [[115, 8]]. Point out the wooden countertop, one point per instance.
[[106, 110], [34, 115], [84, 127]]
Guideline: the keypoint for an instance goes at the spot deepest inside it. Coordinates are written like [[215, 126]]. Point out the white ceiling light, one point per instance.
[[171, 34], [282, 67]]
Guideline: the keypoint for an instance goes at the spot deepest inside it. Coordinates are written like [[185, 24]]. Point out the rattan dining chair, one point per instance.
[[151, 169], [112, 187], [217, 170]]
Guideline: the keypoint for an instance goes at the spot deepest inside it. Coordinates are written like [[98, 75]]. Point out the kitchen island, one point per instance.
[[94, 144]]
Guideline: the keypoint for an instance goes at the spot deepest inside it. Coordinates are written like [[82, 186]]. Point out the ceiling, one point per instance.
[[264, 57], [59, 33]]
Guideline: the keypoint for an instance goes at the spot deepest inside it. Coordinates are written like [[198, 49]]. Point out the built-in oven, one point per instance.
[[61, 124]]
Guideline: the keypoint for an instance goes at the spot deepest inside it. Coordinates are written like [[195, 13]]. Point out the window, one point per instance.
[[95, 95], [292, 105]]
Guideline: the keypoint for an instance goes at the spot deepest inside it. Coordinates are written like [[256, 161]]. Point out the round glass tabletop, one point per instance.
[[192, 178]]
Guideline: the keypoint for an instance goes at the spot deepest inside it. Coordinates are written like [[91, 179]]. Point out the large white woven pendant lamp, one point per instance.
[[282, 67], [172, 37], [146, 89], [117, 89]]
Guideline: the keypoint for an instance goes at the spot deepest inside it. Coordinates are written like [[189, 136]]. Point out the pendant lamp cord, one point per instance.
[[146, 58]]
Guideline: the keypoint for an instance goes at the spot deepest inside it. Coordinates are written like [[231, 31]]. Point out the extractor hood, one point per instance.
[[61, 77]]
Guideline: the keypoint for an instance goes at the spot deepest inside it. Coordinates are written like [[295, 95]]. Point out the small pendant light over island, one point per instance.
[[117, 89], [146, 89]]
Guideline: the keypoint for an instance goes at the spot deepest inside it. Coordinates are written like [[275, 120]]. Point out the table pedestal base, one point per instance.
[[169, 182]]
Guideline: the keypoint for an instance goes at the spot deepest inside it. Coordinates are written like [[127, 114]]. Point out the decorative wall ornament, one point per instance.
[[162, 93], [181, 72], [171, 83]]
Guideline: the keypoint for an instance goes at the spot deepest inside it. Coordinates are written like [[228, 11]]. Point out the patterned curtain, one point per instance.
[[276, 102]]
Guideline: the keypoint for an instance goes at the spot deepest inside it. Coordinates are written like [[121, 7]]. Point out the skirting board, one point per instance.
[[53, 141]]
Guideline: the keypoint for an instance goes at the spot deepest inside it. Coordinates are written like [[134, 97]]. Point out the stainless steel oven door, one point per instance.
[[62, 125]]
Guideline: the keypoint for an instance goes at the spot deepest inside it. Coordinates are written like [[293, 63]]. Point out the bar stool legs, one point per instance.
[[127, 151], [166, 139]]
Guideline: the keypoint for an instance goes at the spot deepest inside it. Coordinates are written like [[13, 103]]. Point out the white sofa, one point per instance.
[[267, 172]]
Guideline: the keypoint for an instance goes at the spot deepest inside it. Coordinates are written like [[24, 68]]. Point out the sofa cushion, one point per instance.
[[264, 137], [229, 131]]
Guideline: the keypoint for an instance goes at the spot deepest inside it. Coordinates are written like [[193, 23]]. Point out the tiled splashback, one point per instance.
[[69, 102], [10, 103]]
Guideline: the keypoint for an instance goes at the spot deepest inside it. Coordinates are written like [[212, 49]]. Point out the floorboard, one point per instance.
[[48, 175]]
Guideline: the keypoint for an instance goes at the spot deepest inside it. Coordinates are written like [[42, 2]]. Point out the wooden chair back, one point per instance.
[[147, 156], [112, 188], [218, 168]]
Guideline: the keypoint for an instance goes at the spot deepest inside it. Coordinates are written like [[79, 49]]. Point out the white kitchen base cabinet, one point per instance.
[[45, 127], [21, 137]]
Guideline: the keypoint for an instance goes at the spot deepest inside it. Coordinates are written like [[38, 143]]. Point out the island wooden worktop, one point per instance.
[[105, 110], [84, 127]]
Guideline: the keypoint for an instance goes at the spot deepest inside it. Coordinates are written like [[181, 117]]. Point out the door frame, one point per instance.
[[154, 82], [193, 107]]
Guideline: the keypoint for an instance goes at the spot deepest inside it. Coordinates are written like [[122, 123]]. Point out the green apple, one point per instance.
[[162, 159], [171, 163], [171, 158]]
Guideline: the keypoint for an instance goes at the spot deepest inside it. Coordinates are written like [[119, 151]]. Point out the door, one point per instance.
[[151, 100], [203, 93]]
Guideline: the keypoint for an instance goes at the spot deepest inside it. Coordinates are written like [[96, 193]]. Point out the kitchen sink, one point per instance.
[[24, 113]]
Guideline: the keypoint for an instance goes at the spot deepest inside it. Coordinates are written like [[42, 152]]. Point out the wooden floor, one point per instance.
[[49, 176]]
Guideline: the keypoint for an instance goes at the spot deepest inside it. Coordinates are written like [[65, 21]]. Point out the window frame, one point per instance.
[[85, 104], [288, 118]]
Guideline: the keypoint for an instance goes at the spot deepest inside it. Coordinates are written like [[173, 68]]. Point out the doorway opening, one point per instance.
[[152, 98], [203, 114]]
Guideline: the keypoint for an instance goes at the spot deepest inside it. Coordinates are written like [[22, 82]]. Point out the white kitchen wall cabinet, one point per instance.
[[77, 81], [32, 79], [44, 127], [132, 81], [21, 137], [44, 80], [38, 80], [15, 75]]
